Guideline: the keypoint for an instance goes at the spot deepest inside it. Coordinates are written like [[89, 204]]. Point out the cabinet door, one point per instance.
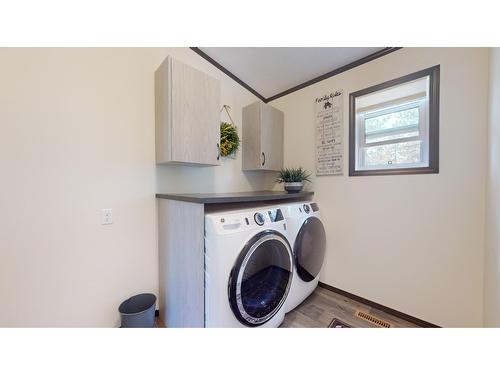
[[195, 118], [251, 148], [271, 133]]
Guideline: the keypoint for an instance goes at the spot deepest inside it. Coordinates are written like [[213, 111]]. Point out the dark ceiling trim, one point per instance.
[[354, 64], [334, 72], [227, 72]]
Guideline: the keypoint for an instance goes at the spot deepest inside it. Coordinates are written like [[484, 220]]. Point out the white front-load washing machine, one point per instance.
[[308, 239], [248, 268]]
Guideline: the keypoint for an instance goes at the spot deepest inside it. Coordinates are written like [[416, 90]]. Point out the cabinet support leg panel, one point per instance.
[[182, 260]]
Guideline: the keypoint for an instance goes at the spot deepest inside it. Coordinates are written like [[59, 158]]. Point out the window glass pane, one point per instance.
[[408, 152], [394, 125], [393, 154], [380, 137]]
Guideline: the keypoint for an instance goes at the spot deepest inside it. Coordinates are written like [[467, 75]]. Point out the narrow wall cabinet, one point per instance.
[[262, 144], [187, 115]]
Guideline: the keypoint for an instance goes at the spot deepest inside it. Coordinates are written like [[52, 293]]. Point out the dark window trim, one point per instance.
[[433, 73]]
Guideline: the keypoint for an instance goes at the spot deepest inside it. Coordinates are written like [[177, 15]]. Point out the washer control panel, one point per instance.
[[275, 215], [259, 218], [306, 208], [239, 221]]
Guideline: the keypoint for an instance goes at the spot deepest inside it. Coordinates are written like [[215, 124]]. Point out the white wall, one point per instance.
[[416, 242], [77, 135], [492, 258]]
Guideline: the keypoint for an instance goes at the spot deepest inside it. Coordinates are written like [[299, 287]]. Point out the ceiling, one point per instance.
[[273, 70]]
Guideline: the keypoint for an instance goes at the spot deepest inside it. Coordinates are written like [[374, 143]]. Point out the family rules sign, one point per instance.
[[329, 134]]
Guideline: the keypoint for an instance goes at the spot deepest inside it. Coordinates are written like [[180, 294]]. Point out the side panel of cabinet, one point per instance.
[[251, 148], [163, 104], [272, 138], [181, 263]]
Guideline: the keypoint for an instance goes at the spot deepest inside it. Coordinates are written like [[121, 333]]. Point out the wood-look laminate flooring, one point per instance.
[[318, 310]]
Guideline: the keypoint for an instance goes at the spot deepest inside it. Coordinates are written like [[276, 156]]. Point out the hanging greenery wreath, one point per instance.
[[229, 138]]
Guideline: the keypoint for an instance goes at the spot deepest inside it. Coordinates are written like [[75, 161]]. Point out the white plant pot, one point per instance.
[[294, 187]]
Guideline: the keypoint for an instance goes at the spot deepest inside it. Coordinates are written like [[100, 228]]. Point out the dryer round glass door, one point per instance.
[[261, 277], [309, 249]]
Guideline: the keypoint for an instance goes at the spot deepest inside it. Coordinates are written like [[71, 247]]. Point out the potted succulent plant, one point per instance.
[[293, 178]]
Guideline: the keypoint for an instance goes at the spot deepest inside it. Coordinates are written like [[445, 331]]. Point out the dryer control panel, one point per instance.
[[303, 209]]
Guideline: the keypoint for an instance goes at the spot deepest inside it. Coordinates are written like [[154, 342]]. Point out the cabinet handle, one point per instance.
[[218, 151], [263, 159]]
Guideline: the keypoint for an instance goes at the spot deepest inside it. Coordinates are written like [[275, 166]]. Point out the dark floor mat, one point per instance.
[[336, 323]]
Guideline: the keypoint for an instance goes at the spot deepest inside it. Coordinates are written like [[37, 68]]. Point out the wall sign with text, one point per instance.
[[329, 134]]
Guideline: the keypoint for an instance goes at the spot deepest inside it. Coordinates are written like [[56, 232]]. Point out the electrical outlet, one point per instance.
[[106, 216]]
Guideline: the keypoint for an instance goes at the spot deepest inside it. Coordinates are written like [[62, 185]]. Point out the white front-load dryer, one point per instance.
[[248, 268], [308, 239]]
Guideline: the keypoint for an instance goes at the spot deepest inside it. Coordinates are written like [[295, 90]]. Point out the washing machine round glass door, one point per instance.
[[261, 277], [309, 249]]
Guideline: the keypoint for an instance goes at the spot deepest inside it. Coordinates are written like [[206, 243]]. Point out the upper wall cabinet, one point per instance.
[[187, 115], [262, 137]]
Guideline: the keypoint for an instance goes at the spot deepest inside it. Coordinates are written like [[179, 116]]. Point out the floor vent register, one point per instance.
[[373, 319]]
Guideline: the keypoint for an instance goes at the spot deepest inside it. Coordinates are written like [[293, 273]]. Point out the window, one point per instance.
[[394, 126]]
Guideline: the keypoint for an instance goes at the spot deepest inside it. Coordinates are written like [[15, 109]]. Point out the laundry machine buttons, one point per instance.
[[306, 209], [259, 218]]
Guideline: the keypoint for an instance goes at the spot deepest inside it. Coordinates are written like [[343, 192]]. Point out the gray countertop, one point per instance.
[[250, 196]]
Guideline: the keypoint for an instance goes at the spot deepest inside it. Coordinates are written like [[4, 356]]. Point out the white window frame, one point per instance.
[[387, 108]]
